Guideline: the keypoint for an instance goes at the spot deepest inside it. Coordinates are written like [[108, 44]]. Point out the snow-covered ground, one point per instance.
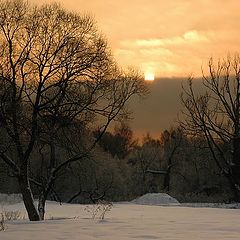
[[126, 221]]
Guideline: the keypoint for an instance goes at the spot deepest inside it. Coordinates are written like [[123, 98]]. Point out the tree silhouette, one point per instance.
[[215, 114], [55, 69]]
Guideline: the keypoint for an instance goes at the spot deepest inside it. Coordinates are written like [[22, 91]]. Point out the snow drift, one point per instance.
[[156, 199]]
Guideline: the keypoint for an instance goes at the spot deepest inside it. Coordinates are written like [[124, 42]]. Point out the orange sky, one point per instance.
[[169, 38]]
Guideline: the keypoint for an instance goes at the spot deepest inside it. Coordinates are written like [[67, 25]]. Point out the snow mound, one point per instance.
[[156, 199], [10, 198]]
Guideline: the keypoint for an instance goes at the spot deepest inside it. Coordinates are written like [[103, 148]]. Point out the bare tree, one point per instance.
[[148, 160], [171, 141], [215, 114], [169, 145], [55, 68]]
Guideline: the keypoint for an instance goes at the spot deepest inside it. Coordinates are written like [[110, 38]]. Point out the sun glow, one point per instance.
[[149, 76]]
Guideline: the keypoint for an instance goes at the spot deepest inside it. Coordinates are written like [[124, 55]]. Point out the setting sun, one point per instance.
[[149, 76]]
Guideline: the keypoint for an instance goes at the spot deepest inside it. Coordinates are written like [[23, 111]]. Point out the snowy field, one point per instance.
[[126, 221]]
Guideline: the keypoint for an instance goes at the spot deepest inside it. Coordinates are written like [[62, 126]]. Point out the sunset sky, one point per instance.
[[167, 38]]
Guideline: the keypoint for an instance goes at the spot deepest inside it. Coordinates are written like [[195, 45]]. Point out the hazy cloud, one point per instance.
[[188, 37], [182, 33]]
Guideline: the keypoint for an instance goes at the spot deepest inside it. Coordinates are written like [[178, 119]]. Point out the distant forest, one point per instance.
[[120, 168]]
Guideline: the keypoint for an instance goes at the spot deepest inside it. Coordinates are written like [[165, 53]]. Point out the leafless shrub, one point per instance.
[[99, 210], [12, 215]]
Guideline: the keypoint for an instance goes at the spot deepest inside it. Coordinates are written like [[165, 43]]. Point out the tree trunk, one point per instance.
[[41, 206], [167, 176], [28, 198], [235, 168], [234, 188], [166, 184]]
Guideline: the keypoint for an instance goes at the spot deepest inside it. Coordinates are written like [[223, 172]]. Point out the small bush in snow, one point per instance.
[[12, 215], [100, 209]]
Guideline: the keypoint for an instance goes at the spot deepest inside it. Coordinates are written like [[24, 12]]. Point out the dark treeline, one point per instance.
[[120, 168]]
